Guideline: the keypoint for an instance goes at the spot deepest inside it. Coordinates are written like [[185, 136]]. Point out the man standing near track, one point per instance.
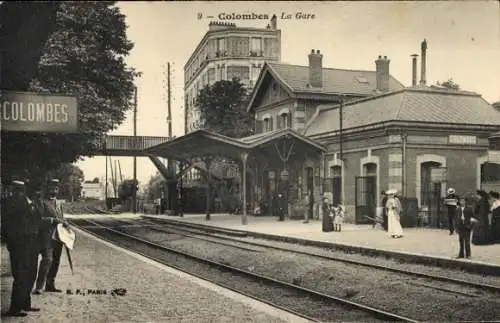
[[20, 229], [51, 246]]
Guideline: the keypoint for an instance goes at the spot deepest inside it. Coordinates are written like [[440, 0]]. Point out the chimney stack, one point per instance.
[[382, 73], [274, 24], [414, 70], [315, 69], [423, 62]]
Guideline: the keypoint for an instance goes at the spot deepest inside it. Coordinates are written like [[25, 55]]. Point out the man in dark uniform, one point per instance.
[[51, 248], [20, 230]]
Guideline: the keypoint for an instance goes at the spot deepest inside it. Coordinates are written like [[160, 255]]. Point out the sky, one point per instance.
[[463, 43]]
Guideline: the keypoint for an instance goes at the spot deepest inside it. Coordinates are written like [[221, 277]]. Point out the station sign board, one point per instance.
[[35, 112], [494, 156]]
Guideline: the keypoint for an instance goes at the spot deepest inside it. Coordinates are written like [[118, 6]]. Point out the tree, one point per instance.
[[84, 55], [154, 187], [222, 108], [70, 179], [450, 84]]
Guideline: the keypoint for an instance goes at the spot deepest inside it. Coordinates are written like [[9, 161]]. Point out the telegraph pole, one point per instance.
[[169, 121], [134, 190], [341, 117]]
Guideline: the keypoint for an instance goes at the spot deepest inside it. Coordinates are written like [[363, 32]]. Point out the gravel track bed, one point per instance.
[[321, 309], [445, 272], [381, 289]]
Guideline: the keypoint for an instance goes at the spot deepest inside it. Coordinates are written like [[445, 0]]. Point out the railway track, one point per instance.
[[171, 228], [307, 303]]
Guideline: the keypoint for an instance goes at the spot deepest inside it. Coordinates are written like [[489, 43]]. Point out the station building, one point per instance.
[[419, 139]]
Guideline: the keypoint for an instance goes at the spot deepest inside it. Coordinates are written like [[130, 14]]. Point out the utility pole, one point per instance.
[[134, 190], [341, 117], [170, 169]]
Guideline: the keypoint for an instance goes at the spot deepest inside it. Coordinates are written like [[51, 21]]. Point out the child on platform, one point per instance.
[[339, 217]]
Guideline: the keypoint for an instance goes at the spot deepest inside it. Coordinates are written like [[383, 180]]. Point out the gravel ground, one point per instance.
[[451, 273], [153, 295], [323, 310], [389, 291]]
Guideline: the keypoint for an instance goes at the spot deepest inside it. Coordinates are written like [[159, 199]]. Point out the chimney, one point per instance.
[[424, 53], [315, 69], [382, 73], [414, 70], [274, 24]]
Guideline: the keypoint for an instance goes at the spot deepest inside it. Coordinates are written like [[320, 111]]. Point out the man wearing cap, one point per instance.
[[20, 229], [51, 248], [451, 201]]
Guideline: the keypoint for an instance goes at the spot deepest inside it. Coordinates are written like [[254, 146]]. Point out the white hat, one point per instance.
[[391, 191], [451, 190], [66, 236]]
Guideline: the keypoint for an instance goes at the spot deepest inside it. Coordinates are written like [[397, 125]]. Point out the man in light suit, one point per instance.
[[51, 248], [464, 226]]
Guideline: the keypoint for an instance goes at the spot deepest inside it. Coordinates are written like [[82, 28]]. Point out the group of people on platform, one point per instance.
[[484, 214], [333, 216], [30, 227]]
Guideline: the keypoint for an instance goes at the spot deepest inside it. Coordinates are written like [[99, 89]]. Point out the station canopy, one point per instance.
[[202, 143]]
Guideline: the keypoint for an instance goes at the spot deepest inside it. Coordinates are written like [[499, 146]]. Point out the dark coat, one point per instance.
[[20, 220], [466, 224]]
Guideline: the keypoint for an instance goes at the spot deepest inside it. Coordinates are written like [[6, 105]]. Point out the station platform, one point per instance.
[[154, 293], [431, 245]]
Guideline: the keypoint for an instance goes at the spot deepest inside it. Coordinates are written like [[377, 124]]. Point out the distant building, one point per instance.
[[227, 51], [93, 190]]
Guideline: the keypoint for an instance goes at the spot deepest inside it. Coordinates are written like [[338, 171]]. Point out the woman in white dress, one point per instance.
[[393, 209]]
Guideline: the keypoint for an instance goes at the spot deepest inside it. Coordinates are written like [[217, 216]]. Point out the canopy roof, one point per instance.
[[202, 143]]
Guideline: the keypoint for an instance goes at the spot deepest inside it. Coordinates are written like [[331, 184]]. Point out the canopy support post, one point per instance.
[[208, 163], [244, 158]]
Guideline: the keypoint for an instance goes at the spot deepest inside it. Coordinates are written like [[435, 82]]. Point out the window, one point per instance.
[[211, 76], [284, 120], [221, 46], [266, 125], [255, 46], [362, 80]]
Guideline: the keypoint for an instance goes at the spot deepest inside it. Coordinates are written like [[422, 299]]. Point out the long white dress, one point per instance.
[[394, 228]]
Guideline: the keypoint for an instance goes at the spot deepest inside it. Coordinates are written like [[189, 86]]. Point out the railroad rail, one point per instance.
[[414, 273], [319, 305]]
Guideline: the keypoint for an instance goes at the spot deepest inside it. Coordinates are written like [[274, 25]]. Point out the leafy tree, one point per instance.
[[222, 108], [70, 179], [450, 84], [95, 180], [154, 187], [84, 54], [126, 189]]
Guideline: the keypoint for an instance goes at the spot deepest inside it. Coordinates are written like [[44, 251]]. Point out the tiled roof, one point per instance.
[[410, 104], [334, 80]]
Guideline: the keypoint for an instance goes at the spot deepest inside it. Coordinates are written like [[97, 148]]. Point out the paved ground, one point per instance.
[[432, 242], [155, 293]]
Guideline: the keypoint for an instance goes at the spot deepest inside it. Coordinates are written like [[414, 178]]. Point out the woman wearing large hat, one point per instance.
[[393, 205]]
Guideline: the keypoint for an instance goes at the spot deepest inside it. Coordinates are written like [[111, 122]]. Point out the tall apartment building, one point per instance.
[[227, 51]]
